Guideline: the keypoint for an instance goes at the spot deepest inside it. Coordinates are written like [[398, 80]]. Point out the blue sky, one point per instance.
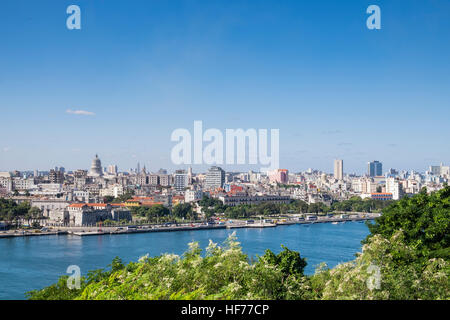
[[144, 68]]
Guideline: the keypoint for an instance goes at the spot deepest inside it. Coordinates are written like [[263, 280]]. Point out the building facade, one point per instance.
[[338, 169], [215, 178], [374, 169]]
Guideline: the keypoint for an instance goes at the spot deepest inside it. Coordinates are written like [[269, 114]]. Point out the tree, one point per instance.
[[35, 212], [424, 219], [108, 199], [157, 211], [288, 261], [183, 210], [126, 196], [299, 206]]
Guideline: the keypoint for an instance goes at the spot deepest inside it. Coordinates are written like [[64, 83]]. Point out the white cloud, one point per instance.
[[80, 112], [6, 149]]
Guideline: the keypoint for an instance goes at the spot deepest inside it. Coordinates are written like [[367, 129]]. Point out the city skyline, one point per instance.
[[97, 168], [133, 74]]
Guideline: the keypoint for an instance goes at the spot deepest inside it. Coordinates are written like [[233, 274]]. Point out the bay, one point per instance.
[[28, 263]]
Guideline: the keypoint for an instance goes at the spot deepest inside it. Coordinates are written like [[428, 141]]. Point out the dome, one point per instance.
[[96, 167]]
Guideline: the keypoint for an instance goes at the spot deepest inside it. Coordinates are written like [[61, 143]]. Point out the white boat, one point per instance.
[[335, 222]]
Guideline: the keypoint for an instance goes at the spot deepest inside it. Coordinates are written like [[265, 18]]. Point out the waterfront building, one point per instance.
[[48, 205], [82, 214]]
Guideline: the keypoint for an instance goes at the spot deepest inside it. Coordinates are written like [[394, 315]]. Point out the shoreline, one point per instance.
[[115, 230]]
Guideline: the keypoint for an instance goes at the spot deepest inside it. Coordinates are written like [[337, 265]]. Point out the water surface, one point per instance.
[[28, 263]]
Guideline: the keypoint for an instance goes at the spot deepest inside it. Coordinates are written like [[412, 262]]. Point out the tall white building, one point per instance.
[[193, 195], [338, 169], [112, 169], [6, 181], [215, 178], [393, 186], [115, 191]]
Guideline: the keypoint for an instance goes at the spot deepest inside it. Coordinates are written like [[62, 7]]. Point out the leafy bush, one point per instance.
[[424, 219]]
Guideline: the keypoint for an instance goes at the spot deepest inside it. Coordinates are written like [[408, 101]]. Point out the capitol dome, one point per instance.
[[96, 167]]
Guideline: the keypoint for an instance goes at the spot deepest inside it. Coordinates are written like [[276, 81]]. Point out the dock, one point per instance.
[[31, 234], [146, 230]]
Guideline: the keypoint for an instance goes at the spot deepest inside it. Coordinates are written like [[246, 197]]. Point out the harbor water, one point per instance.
[[28, 263]]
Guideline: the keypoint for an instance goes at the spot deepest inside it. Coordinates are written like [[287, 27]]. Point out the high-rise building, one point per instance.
[[215, 178], [164, 180], [394, 186], [279, 176], [190, 175], [374, 169], [56, 176], [153, 180], [6, 182], [112, 169], [181, 180], [338, 169], [436, 170]]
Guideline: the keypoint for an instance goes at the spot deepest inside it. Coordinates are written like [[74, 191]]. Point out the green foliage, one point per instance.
[[184, 210], [57, 291], [424, 219], [126, 196], [221, 273], [356, 204], [289, 262], [155, 213], [410, 280], [211, 206], [9, 210], [108, 199]]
